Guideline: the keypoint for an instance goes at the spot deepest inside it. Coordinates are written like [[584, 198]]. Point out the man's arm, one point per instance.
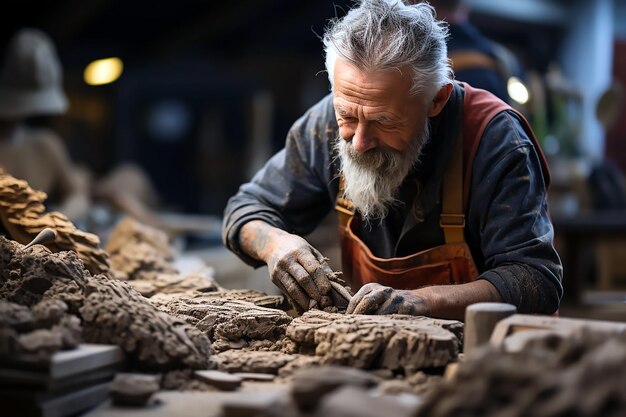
[[441, 301], [287, 199], [509, 227], [450, 301]]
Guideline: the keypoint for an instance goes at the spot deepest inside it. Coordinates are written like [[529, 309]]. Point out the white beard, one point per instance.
[[371, 179]]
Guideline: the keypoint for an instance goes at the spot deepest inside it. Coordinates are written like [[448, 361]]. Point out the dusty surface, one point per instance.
[[310, 385], [23, 215], [349, 401], [580, 375], [396, 342]]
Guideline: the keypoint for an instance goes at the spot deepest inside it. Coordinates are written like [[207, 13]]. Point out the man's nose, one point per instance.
[[363, 140]]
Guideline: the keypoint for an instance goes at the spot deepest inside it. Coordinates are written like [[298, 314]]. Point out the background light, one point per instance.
[[517, 90], [103, 71]]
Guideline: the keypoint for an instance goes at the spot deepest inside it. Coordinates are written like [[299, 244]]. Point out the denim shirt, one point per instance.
[[508, 228]]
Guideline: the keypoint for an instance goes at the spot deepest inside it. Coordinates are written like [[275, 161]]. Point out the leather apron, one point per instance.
[[452, 262]]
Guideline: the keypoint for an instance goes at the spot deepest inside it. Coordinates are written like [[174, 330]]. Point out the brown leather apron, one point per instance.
[[452, 262]]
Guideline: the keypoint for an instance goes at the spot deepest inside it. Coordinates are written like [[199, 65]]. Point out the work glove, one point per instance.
[[374, 298], [301, 272]]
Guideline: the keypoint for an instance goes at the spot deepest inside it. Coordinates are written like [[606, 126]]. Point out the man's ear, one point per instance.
[[440, 100]]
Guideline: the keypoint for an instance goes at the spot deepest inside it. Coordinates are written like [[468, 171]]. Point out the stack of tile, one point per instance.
[[70, 382]]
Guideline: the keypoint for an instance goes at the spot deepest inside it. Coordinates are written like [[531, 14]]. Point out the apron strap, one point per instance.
[[452, 217], [345, 209]]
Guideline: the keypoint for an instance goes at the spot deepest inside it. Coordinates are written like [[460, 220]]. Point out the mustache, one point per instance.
[[382, 160]]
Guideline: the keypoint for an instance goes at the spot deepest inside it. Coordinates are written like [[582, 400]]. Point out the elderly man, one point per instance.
[[440, 187]]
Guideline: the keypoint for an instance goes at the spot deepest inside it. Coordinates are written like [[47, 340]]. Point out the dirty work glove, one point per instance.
[[374, 298], [300, 271]]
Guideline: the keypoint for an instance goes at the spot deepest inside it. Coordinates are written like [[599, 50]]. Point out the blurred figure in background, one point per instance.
[[30, 86], [477, 60]]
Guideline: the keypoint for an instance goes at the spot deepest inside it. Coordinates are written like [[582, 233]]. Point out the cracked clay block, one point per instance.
[[142, 255], [115, 313], [252, 361], [230, 323], [175, 285], [396, 342], [255, 297], [138, 251], [23, 215]]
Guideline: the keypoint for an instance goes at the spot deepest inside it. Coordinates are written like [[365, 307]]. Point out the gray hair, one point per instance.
[[388, 34]]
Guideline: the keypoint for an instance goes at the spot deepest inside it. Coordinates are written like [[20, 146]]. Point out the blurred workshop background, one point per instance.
[[201, 93]]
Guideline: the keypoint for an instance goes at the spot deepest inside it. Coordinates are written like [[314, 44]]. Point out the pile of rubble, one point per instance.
[[186, 332], [133, 296]]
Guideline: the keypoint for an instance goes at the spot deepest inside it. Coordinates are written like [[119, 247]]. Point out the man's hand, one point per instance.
[[296, 267], [299, 270], [377, 299]]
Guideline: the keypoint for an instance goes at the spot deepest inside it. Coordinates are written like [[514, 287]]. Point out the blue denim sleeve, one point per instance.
[[294, 190], [509, 219]]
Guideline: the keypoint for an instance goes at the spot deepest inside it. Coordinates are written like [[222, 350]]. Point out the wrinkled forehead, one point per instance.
[[380, 88]]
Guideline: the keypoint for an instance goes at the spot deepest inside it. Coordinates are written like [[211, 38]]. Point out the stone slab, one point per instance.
[[69, 362], [25, 379]]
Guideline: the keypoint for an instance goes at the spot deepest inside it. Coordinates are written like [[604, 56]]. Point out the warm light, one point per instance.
[[103, 71], [517, 90]]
